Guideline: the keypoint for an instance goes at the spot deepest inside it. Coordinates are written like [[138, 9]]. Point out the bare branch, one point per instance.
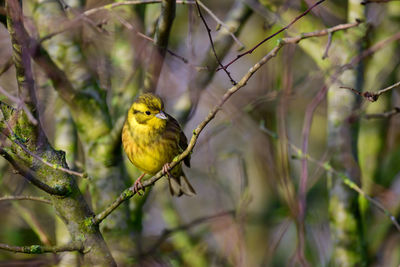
[[346, 180], [372, 96], [271, 36], [38, 199], [161, 39], [212, 45], [128, 193], [38, 249], [221, 23], [6, 66], [168, 232], [108, 7], [365, 2], [328, 46], [384, 115]]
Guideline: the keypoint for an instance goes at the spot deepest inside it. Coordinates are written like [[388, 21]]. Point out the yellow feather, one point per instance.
[[152, 138]]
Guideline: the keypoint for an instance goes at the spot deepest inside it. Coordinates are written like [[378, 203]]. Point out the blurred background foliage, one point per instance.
[[246, 209]]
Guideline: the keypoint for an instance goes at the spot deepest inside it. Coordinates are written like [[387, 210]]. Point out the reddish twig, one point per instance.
[[271, 36], [372, 96], [376, 1], [328, 45], [221, 23], [212, 45]]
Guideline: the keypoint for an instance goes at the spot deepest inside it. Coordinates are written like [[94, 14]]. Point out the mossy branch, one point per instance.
[[38, 249], [58, 190]]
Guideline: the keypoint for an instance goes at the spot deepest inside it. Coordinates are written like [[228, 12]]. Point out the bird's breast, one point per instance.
[[148, 150]]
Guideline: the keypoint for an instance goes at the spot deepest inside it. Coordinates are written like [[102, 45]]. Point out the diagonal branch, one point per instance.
[[221, 23], [168, 232], [128, 193], [271, 36], [212, 45], [58, 190]]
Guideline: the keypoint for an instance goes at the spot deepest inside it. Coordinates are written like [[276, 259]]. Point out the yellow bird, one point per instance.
[[151, 138]]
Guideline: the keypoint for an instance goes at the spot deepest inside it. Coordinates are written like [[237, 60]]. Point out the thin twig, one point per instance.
[[372, 96], [6, 66], [20, 103], [128, 193], [129, 26], [212, 44], [365, 2], [384, 115], [271, 36], [328, 46], [346, 180], [168, 232], [39, 249], [107, 7], [38, 199], [308, 122], [223, 24]]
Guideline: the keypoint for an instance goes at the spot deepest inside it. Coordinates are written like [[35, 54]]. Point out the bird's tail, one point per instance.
[[179, 186]]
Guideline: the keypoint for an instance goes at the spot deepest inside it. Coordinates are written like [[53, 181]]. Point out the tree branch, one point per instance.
[[271, 36], [38, 249], [58, 190], [128, 193], [372, 96], [161, 38], [212, 45], [236, 20], [221, 23], [383, 115], [300, 154], [104, 8], [38, 199], [168, 232]]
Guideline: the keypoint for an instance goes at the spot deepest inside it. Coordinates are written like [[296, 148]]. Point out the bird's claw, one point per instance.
[[137, 186], [165, 169]]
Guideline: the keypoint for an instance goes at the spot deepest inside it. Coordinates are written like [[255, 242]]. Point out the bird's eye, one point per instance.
[[148, 113]]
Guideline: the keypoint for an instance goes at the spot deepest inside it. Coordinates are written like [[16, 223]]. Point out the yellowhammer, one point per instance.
[[151, 139]]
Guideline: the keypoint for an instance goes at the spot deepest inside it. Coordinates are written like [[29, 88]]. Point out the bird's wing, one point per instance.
[[182, 138]]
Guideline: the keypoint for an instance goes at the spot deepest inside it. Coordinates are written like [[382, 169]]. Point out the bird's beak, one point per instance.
[[161, 115]]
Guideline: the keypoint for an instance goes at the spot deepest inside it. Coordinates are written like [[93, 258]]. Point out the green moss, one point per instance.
[[127, 193], [88, 226], [35, 249]]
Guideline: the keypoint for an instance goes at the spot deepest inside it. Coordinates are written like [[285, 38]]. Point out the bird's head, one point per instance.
[[148, 109]]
